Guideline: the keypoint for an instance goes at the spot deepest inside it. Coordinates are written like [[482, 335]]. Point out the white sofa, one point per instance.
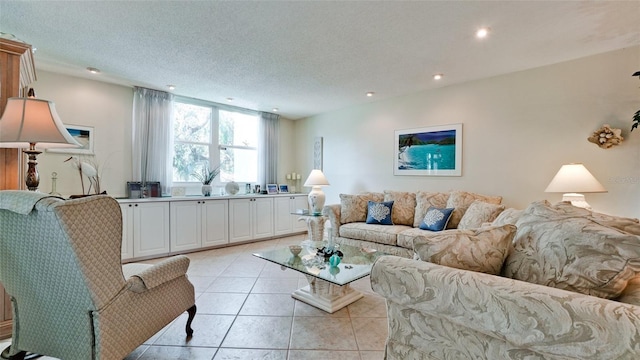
[[348, 224], [569, 289]]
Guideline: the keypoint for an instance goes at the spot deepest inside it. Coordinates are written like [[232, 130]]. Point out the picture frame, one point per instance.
[[134, 189], [430, 151], [283, 189], [82, 134], [272, 189]]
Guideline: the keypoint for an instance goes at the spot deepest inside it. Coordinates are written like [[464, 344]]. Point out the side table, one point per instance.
[[315, 225]]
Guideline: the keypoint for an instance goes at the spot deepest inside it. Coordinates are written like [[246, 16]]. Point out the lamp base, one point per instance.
[[576, 200], [32, 179], [316, 200]]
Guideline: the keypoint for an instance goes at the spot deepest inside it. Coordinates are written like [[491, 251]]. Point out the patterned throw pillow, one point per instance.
[[404, 206], [354, 207], [481, 250], [461, 200], [425, 200], [479, 212], [566, 248], [379, 212], [436, 219]]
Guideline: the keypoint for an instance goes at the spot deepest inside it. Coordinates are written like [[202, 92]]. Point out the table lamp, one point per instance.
[[573, 179], [27, 122], [316, 197]]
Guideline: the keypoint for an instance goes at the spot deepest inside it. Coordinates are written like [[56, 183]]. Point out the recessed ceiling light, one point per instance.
[[171, 87], [370, 93], [229, 99], [437, 76], [93, 70], [482, 32], [275, 109]]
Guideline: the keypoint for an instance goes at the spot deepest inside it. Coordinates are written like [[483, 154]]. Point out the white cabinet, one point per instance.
[[284, 222], [198, 223], [250, 218], [145, 229]]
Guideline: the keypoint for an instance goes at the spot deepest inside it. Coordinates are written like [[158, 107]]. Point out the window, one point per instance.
[[206, 135], [238, 146]]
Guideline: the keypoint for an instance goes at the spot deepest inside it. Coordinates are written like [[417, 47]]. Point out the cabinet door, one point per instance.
[[282, 218], [127, 231], [151, 229], [215, 222], [299, 202], [186, 228], [262, 211], [240, 220]]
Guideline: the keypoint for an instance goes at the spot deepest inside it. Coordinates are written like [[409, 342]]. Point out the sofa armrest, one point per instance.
[[159, 274], [544, 320], [333, 213]]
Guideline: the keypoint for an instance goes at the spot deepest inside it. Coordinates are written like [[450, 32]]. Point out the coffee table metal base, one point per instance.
[[325, 295]]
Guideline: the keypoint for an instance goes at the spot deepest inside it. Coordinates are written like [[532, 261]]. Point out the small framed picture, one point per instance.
[[283, 188], [272, 189], [83, 135]]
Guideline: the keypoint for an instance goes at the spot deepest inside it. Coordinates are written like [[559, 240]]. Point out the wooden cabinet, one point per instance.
[[284, 222], [145, 229], [17, 71], [250, 218], [198, 224]]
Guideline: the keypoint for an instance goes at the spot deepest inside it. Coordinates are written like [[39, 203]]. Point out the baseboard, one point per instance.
[[5, 329]]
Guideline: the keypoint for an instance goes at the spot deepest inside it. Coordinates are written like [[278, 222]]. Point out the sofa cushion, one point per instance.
[[382, 234], [404, 206], [379, 212], [478, 213], [436, 219], [562, 246], [508, 216], [353, 208], [461, 200], [405, 238], [481, 250], [424, 200]]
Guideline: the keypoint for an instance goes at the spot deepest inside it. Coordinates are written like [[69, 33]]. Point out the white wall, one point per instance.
[[518, 130], [108, 108]]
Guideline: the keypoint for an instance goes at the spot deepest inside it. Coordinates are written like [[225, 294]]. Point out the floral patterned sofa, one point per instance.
[[348, 224], [567, 286]]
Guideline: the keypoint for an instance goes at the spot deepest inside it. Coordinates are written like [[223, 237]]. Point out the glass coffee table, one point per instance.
[[328, 287]]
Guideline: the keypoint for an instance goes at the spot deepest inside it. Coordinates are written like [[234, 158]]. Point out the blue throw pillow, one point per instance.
[[436, 219], [379, 212]]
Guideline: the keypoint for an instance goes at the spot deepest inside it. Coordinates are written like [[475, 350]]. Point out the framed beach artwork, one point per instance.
[[83, 135], [432, 151]]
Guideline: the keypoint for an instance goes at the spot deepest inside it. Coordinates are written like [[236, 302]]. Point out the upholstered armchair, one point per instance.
[[71, 297]]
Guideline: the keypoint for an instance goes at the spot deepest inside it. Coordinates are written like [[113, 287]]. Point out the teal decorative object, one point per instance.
[[334, 260]]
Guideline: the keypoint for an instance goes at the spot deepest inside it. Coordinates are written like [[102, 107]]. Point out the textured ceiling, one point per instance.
[[310, 57]]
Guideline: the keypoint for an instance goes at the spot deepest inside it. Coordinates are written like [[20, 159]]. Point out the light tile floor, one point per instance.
[[245, 311]]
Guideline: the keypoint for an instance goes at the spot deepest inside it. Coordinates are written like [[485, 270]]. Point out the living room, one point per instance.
[[520, 126]]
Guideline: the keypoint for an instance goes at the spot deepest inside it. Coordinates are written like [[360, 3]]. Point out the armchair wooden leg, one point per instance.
[[192, 314]]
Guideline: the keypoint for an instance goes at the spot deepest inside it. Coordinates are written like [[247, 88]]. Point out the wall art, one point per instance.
[[432, 151]]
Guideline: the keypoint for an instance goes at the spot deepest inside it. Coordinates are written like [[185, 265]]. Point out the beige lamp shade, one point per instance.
[[28, 121], [316, 178], [574, 178]]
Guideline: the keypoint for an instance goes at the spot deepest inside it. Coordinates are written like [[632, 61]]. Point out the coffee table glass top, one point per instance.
[[355, 264]]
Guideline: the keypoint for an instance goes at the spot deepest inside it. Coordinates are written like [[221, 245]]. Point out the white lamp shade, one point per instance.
[[316, 178], [574, 178], [30, 120]]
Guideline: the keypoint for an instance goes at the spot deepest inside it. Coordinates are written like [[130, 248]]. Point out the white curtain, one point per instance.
[[152, 137], [268, 149]]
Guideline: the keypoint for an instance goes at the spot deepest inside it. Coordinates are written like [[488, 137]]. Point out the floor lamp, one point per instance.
[[30, 121]]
